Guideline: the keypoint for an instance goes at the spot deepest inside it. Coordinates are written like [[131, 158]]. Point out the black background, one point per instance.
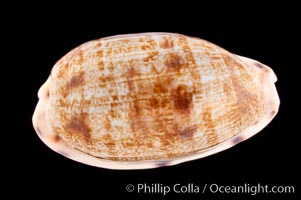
[[39, 37]]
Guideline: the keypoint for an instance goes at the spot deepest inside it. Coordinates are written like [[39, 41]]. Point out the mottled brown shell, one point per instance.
[[151, 99]]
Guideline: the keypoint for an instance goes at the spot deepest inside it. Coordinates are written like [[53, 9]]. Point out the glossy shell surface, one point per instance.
[[152, 99]]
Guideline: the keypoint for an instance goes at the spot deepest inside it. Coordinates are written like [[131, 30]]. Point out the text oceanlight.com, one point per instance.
[[191, 188]]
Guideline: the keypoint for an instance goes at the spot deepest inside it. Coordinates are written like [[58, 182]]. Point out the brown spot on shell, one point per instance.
[[187, 132], [132, 72], [136, 107], [160, 88], [115, 97], [79, 126], [182, 98], [56, 138], [99, 44], [77, 80], [101, 65], [173, 62], [154, 102], [99, 53]]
